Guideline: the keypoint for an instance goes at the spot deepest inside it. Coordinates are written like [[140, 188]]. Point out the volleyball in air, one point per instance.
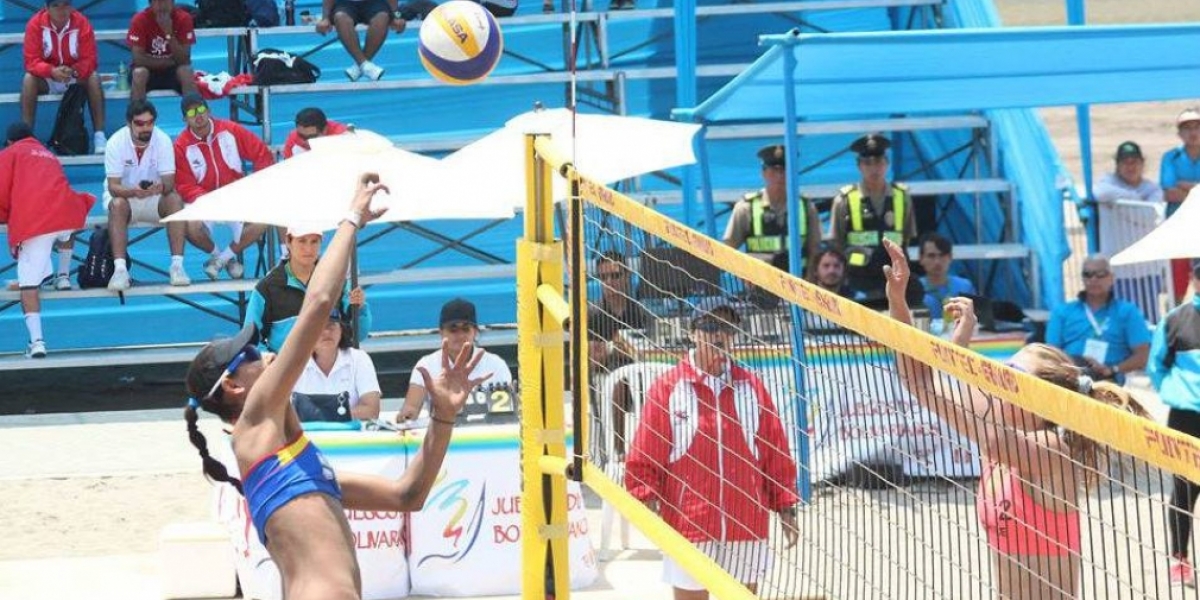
[[460, 42]]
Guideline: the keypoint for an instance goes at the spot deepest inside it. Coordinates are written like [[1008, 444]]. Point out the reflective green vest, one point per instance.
[[857, 236], [860, 243], [768, 238]]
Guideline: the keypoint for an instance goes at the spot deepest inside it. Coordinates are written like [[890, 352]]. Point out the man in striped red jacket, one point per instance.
[[711, 457], [211, 153], [60, 49]]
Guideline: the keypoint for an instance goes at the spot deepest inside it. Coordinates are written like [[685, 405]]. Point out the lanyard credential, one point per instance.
[[1098, 328]]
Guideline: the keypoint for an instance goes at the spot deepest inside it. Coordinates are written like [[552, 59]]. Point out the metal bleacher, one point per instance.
[[605, 72]]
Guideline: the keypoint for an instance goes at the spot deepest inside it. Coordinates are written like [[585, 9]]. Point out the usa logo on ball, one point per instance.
[[460, 42]]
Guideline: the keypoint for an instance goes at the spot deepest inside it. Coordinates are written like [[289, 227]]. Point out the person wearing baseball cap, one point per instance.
[[709, 410], [295, 500], [1179, 172], [459, 327], [276, 299], [760, 219], [866, 213], [1127, 181]]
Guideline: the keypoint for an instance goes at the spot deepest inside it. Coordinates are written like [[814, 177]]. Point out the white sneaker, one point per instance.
[[119, 281], [235, 269], [62, 282], [212, 268], [371, 71], [354, 72], [179, 277], [99, 142], [37, 349]]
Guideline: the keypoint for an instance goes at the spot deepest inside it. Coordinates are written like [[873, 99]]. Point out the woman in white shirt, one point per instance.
[[335, 367], [458, 325]]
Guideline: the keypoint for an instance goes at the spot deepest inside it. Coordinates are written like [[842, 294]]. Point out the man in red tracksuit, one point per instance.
[[209, 154], [40, 209], [711, 457], [60, 49]]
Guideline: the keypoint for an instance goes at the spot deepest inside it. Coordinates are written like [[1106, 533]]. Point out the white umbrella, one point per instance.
[[607, 148], [1174, 238], [316, 187]]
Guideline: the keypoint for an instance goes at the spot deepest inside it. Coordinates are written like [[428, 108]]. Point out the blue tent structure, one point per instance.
[[878, 74]]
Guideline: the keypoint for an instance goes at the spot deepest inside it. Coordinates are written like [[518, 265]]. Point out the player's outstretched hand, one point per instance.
[[368, 186], [450, 389]]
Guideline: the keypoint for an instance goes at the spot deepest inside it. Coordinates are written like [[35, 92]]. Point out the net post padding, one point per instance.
[[543, 431], [1140, 438]]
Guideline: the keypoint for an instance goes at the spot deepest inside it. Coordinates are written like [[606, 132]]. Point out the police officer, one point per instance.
[[760, 218], [865, 214]]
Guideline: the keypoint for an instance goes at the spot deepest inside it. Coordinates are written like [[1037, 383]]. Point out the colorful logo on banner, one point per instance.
[[450, 498]]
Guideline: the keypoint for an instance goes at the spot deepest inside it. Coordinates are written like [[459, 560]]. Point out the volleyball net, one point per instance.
[[721, 394]]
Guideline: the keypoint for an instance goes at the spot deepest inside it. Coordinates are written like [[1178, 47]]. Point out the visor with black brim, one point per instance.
[[210, 364]]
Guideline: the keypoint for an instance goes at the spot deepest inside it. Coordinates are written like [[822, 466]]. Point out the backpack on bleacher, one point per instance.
[[221, 13], [97, 267], [277, 67], [70, 136]]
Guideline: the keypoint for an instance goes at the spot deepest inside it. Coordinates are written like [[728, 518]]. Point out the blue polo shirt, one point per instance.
[[1121, 325], [1177, 166], [935, 296]]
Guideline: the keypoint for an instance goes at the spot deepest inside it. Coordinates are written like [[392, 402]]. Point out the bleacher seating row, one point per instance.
[[599, 71]]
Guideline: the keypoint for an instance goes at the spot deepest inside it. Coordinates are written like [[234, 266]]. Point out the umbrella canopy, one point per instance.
[[605, 147], [315, 187], [1174, 238]]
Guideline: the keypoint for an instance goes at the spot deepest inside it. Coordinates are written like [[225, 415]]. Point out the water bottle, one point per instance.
[[122, 77], [289, 12]]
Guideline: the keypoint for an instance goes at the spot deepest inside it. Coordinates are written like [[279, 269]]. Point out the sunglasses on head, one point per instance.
[[1095, 274], [247, 354], [199, 109]]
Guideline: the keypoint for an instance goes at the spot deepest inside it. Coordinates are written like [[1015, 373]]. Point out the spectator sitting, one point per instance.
[[160, 39], [378, 16], [275, 302], [615, 311], [209, 154], [1106, 335], [938, 283], [60, 50], [310, 123], [607, 352], [458, 326], [40, 208], [139, 166], [340, 371], [1178, 174], [677, 443], [1127, 182], [830, 272]]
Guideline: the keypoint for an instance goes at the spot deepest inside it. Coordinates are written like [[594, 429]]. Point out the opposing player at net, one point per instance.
[[294, 498], [1033, 471]]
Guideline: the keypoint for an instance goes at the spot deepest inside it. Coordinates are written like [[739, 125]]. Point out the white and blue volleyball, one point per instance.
[[460, 42]]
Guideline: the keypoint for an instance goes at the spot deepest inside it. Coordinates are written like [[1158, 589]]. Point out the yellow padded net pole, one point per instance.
[[540, 355]]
